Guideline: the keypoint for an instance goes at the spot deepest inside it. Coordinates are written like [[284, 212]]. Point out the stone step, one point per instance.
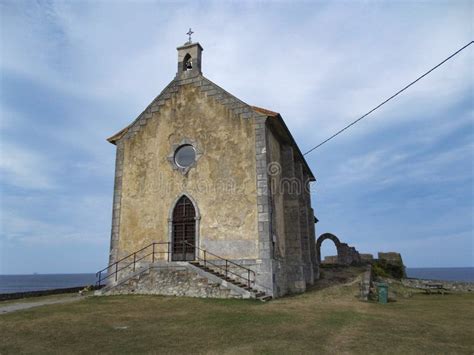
[[258, 294]]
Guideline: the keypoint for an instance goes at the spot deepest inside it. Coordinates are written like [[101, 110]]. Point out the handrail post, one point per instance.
[[100, 278], [134, 258], [116, 271], [248, 277], [153, 254], [205, 261], [226, 267], [169, 251]]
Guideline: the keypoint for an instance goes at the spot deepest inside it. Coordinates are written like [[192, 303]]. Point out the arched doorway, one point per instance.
[[183, 230]]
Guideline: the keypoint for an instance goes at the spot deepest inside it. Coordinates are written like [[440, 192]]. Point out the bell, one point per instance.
[[189, 65]]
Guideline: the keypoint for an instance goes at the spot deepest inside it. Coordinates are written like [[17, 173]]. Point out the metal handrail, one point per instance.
[[217, 256], [129, 255], [135, 260], [115, 266], [227, 262]]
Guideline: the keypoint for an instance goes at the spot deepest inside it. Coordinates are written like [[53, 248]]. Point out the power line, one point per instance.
[[387, 100]]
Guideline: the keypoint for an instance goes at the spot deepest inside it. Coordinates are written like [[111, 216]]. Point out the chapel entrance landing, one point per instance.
[[184, 230]]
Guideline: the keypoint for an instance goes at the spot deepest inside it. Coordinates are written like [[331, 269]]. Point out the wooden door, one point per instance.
[[184, 230]]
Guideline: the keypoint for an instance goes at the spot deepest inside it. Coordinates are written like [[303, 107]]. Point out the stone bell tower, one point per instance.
[[189, 60]]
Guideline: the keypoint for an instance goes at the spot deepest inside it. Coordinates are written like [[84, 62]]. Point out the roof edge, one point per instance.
[[276, 115]]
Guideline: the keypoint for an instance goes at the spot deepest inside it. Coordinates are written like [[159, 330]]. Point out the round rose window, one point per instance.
[[185, 156]]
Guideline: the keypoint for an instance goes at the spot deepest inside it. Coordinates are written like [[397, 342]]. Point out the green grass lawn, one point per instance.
[[331, 320]]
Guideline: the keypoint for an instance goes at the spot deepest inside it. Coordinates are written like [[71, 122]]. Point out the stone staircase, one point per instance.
[[160, 278], [209, 275], [260, 295]]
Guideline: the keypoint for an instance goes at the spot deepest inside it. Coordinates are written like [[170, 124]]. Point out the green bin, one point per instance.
[[382, 290]]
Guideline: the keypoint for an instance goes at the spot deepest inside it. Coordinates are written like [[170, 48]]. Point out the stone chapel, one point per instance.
[[211, 197]]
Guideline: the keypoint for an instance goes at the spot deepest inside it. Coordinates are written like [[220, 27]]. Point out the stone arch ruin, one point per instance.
[[346, 255]]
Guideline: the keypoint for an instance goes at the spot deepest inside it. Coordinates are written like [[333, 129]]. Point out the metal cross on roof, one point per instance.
[[190, 32]]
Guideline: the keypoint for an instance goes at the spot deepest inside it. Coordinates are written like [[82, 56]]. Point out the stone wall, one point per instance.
[[392, 262], [453, 286], [304, 227], [391, 257], [332, 259], [294, 267], [346, 255], [292, 217], [277, 214], [176, 280], [366, 284], [366, 257]]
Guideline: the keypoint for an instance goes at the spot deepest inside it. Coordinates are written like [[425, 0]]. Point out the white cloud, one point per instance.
[[414, 159], [319, 64], [305, 69], [85, 222], [25, 168]]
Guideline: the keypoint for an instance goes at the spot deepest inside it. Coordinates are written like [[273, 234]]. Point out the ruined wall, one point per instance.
[[454, 286], [391, 257], [223, 182], [366, 257], [392, 263], [331, 259], [346, 255]]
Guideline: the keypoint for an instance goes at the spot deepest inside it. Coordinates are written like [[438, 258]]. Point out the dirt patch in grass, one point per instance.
[[39, 298]]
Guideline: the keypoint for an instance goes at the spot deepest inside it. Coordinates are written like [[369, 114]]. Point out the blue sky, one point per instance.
[[73, 73]]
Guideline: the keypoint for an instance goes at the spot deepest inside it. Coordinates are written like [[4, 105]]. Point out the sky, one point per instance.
[[75, 72]]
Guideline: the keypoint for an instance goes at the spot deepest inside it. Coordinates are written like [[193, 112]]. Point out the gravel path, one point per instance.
[[12, 307]]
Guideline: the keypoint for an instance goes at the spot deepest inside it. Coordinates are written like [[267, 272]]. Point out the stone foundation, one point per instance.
[[176, 279]]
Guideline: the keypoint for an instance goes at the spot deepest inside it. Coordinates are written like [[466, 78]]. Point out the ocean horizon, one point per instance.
[[462, 274], [41, 282]]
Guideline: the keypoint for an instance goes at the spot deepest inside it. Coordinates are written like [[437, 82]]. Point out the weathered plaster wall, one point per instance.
[[223, 182]]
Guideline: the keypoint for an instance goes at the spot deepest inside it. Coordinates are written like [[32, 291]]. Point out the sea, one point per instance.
[[39, 282], [465, 274]]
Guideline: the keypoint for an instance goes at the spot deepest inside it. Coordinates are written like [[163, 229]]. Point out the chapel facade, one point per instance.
[[200, 171]]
